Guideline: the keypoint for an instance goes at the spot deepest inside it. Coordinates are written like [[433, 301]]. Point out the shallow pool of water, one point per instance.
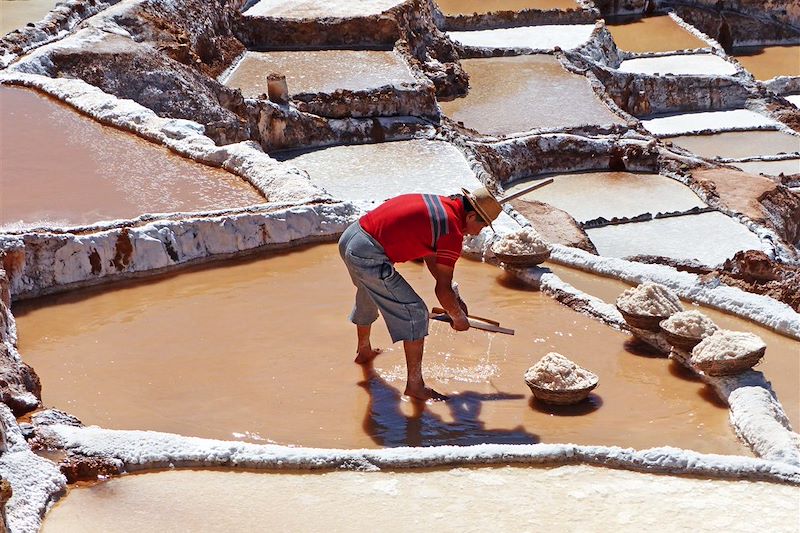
[[567, 498], [17, 13], [298, 9], [364, 172], [781, 365], [261, 350], [468, 7], [690, 64], [739, 144], [590, 195], [62, 168], [768, 62], [771, 168], [653, 34], [517, 94], [320, 71]]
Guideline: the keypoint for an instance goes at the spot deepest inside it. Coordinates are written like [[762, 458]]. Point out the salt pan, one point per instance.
[[649, 299], [524, 241], [692, 324], [556, 372]]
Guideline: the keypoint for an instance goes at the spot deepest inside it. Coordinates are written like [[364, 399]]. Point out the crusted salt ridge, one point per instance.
[[733, 120], [278, 182], [71, 260], [760, 309], [35, 481], [140, 450]]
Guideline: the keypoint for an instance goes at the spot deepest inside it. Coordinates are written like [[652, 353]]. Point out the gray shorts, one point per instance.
[[380, 287]]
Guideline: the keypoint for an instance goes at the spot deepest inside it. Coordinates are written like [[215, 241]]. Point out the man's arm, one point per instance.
[[445, 293]]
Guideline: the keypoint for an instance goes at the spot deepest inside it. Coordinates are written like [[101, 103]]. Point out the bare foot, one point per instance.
[[424, 394], [366, 355]]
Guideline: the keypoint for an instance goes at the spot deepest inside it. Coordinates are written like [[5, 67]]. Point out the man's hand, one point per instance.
[[463, 305], [459, 322]]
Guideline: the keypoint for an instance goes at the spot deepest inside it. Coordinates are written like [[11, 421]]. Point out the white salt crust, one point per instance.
[[649, 299], [557, 373], [794, 99], [521, 242], [566, 37], [680, 64], [693, 324], [725, 344], [737, 119]]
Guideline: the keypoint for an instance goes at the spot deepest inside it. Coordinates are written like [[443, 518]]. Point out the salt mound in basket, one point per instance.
[[646, 305], [523, 248], [685, 329], [557, 380], [728, 352]]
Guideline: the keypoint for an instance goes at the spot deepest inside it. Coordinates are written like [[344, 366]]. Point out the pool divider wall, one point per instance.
[[20, 388]]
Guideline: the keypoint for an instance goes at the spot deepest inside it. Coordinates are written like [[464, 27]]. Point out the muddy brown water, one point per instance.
[[261, 350], [768, 62], [739, 144], [567, 498], [15, 14], [781, 365], [653, 34], [517, 94], [62, 168], [468, 7], [588, 195], [321, 71], [771, 168]]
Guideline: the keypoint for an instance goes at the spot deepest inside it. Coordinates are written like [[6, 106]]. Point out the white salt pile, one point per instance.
[[556, 372], [524, 241], [693, 324], [727, 345], [649, 299]]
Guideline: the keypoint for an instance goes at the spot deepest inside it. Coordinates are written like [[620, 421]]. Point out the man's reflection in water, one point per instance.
[[388, 426]]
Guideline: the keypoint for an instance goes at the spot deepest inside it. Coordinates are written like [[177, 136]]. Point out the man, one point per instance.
[[408, 227]]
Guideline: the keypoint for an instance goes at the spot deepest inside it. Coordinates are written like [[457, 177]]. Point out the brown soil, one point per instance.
[[553, 224]]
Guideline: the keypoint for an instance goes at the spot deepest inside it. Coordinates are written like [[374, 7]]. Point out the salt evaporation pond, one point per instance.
[[299, 9], [590, 195], [653, 34], [320, 71], [741, 119], [517, 94], [468, 7], [781, 365], [794, 99], [771, 168], [769, 62], [361, 172], [261, 350], [567, 498], [17, 13], [739, 144], [689, 64], [61, 168], [545, 37], [684, 237]]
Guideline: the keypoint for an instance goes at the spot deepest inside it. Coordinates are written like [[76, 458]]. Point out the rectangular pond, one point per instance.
[[62, 168], [17, 13], [767, 62], [680, 64], [300, 9], [547, 37], [739, 144], [653, 34], [517, 94], [468, 7], [771, 168], [710, 120]]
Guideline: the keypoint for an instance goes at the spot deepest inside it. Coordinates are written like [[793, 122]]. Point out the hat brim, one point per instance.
[[478, 208]]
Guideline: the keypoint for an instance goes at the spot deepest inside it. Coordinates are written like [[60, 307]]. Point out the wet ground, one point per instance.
[[569, 498], [261, 350], [517, 94], [739, 144], [62, 168], [653, 34]]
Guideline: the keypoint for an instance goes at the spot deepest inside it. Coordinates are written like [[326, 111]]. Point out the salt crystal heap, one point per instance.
[[556, 372], [524, 241], [691, 324], [649, 299], [727, 345]]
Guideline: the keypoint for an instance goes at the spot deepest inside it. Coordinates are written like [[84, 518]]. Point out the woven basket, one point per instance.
[[726, 367], [526, 260], [679, 341], [562, 397], [650, 323]]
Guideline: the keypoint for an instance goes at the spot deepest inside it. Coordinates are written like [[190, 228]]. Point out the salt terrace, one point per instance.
[[173, 178]]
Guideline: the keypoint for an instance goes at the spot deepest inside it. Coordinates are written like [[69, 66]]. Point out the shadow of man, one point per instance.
[[388, 426]]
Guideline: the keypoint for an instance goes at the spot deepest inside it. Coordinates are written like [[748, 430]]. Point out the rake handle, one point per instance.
[[440, 311]]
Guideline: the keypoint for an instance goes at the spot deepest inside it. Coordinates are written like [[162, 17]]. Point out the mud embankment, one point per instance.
[[20, 388]]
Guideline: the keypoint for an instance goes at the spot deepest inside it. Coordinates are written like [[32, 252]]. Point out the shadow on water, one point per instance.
[[388, 426], [641, 349], [587, 406], [509, 280]]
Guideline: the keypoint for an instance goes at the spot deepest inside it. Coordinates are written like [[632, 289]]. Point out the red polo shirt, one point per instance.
[[413, 226]]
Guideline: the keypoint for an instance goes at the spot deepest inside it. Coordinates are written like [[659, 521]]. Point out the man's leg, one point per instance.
[[415, 386], [365, 352]]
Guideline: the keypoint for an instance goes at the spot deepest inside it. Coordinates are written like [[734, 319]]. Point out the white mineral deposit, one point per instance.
[[680, 65], [557, 373], [693, 324], [650, 299], [524, 241], [725, 344]]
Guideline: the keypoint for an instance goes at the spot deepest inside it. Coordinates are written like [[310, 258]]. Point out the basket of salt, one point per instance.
[[728, 352], [557, 380], [646, 305], [522, 248], [685, 329]]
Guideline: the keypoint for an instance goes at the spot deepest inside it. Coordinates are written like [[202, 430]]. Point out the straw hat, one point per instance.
[[484, 203]]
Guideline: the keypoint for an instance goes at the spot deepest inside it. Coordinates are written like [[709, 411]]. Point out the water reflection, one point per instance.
[[388, 426]]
